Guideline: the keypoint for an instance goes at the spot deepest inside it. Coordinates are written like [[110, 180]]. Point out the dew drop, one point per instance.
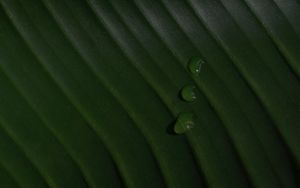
[[185, 121], [195, 65], [188, 93]]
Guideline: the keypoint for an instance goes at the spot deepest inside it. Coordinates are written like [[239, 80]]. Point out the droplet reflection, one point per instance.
[[195, 65], [188, 93], [185, 121]]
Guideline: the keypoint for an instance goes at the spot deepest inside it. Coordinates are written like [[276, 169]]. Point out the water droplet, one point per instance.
[[188, 93], [195, 65], [185, 121]]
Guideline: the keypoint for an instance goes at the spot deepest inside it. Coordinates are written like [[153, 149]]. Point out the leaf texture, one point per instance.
[[90, 92]]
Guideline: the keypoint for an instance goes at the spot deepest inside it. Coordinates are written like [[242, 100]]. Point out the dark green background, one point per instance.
[[89, 93]]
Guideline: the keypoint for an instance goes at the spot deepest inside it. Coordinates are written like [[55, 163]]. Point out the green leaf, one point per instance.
[[93, 92]]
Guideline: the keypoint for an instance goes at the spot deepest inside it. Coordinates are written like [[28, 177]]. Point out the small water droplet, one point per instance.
[[185, 121], [195, 65], [188, 93]]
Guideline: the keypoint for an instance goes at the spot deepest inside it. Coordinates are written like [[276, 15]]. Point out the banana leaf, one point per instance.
[[149, 93]]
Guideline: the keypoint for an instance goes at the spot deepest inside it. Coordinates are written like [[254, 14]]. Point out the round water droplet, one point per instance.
[[195, 65], [185, 121], [188, 93]]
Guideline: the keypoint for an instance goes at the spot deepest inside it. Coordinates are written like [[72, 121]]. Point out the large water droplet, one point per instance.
[[195, 65], [188, 93], [185, 121]]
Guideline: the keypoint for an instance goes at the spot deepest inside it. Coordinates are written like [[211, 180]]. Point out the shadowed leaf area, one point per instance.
[[149, 93]]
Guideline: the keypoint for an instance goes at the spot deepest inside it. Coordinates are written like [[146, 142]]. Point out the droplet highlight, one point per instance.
[[195, 65], [185, 121], [188, 93]]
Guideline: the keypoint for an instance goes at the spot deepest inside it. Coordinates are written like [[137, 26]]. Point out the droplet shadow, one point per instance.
[[170, 128]]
